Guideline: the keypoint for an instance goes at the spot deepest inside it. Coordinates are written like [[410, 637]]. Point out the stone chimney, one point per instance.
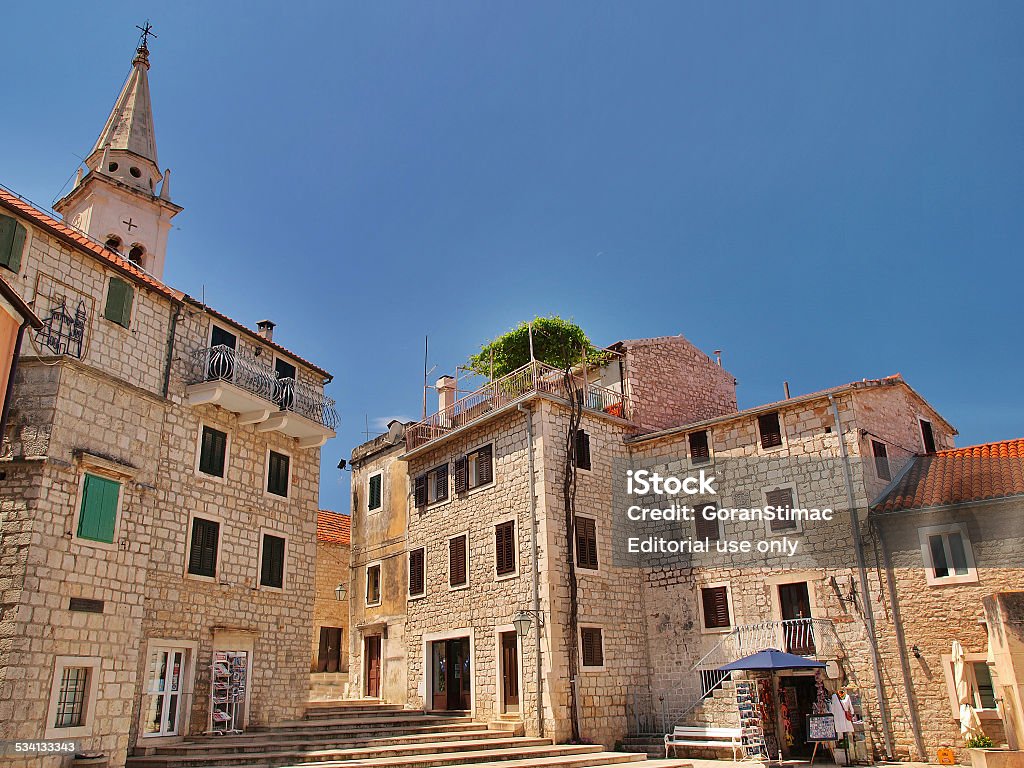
[[265, 328], [445, 392]]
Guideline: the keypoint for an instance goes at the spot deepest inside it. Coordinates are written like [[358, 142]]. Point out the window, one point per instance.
[[202, 556], [97, 517], [881, 455], [770, 430], [373, 584], [715, 607], [432, 487], [505, 548], [780, 498], [586, 543], [272, 561], [705, 529], [221, 338], [136, 253], [592, 644], [947, 553], [475, 469], [119, 302], [74, 684], [458, 571], [284, 369], [700, 449], [582, 450], [374, 491], [114, 243], [278, 468], [12, 243], [417, 572], [983, 690], [213, 450], [980, 686], [927, 436]]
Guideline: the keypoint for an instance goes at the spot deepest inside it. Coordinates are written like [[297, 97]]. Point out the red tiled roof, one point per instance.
[[333, 527], [958, 476]]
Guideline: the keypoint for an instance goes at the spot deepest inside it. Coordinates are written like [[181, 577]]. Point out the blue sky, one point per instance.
[[826, 191]]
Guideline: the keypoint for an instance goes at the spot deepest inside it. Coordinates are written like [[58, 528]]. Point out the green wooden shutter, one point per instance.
[[119, 302], [12, 243], [375, 492], [99, 509]]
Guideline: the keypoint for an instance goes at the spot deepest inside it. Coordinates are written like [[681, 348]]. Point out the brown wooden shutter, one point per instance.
[[457, 561], [504, 548], [420, 492], [700, 450], [780, 497], [484, 465], [593, 653], [441, 482], [416, 572], [705, 529], [586, 543], [202, 559], [716, 607], [582, 449], [461, 474], [770, 429]]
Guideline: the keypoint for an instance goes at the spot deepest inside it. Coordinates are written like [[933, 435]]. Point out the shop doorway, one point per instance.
[[371, 645], [510, 672], [450, 674], [165, 674], [797, 696]]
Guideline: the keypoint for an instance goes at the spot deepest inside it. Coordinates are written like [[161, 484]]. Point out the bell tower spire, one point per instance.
[[118, 200]]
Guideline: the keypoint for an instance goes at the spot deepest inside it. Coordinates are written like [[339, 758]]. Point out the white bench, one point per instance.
[[710, 738]]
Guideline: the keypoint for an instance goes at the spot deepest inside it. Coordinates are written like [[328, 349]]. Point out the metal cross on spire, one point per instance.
[[147, 32]]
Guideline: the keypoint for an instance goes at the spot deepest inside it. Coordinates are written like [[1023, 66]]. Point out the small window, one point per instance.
[[984, 692], [474, 469], [12, 242], [927, 436], [221, 338], [202, 556], [373, 585], [780, 498], [284, 369], [769, 429], [705, 529], [417, 572], [135, 172], [119, 302], [111, 167], [213, 451], [114, 243], [881, 456], [374, 491], [74, 685], [505, 548], [135, 254], [97, 516], [277, 474], [948, 555], [715, 605], [592, 644], [586, 543], [432, 486], [458, 570], [582, 450], [700, 449], [272, 561]]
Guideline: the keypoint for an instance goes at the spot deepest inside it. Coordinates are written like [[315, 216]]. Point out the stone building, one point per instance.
[[329, 665], [160, 478]]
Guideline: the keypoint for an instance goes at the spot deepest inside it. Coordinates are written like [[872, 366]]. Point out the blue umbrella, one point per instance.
[[770, 659]]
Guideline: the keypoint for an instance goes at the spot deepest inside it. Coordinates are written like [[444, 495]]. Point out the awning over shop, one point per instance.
[[771, 659]]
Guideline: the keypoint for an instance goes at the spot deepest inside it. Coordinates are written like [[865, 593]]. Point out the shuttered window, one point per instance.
[[119, 302], [373, 585], [98, 512], [12, 243], [780, 497], [705, 529], [881, 455], [593, 647], [420, 491], [462, 474], [586, 543], [432, 487], [770, 430], [458, 572], [480, 466], [374, 495], [582, 450], [505, 548], [417, 572], [700, 448], [277, 474], [715, 601], [213, 451], [202, 557], [272, 565]]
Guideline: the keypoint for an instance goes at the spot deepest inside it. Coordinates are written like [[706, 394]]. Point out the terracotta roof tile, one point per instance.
[[958, 476], [333, 527]]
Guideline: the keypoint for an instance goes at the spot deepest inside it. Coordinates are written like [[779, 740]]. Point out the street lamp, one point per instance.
[[523, 619], [339, 592]]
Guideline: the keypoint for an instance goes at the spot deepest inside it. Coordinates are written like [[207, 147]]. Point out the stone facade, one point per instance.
[[329, 663]]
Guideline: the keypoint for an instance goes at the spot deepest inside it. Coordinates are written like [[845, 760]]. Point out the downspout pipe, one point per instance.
[[869, 614], [528, 412], [170, 345], [9, 392]]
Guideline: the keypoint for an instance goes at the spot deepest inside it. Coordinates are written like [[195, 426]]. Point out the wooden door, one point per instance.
[[329, 655], [439, 675], [510, 671], [798, 630], [372, 646]]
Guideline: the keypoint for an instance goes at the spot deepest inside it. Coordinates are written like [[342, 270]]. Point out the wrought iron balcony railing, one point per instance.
[[222, 363], [530, 378]]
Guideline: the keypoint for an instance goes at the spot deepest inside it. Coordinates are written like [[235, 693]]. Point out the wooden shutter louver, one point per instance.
[[586, 543], [461, 474], [420, 491], [582, 450], [416, 572], [98, 513], [771, 431], [457, 561], [780, 497], [504, 548], [374, 500], [12, 243], [118, 308], [593, 653], [484, 465], [213, 451], [277, 475], [202, 560], [272, 570], [700, 450], [441, 482], [705, 529], [716, 607]]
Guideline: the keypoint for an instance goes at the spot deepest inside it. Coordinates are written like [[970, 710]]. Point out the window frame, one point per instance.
[[921, 421], [761, 448], [213, 518], [94, 665], [925, 534], [514, 573], [704, 628], [579, 467], [223, 329], [88, 468], [449, 540], [266, 476], [597, 543], [689, 447], [264, 532], [970, 660], [203, 426], [378, 564], [408, 575], [798, 524], [369, 484], [698, 505], [590, 626], [470, 488]]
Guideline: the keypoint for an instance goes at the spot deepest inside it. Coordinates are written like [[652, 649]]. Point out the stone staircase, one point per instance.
[[374, 735]]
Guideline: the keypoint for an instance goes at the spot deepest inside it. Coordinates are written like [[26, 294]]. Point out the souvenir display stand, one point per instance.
[[227, 692]]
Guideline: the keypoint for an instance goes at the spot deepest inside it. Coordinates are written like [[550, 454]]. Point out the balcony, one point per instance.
[[243, 385], [534, 377]]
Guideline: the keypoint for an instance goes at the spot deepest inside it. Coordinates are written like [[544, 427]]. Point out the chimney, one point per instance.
[[785, 389], [265, 328], [445, 392]]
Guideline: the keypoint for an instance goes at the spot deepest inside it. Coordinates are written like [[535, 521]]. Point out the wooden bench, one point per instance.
[[710, 738]]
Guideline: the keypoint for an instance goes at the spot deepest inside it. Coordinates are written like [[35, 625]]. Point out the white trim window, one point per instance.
[[781, 496], [212, 452], [374, 491], [458, 561], [592, 652], [273, 559], [73, 693], [279, 473], [947, 554], [417, 572], [374, 587]]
